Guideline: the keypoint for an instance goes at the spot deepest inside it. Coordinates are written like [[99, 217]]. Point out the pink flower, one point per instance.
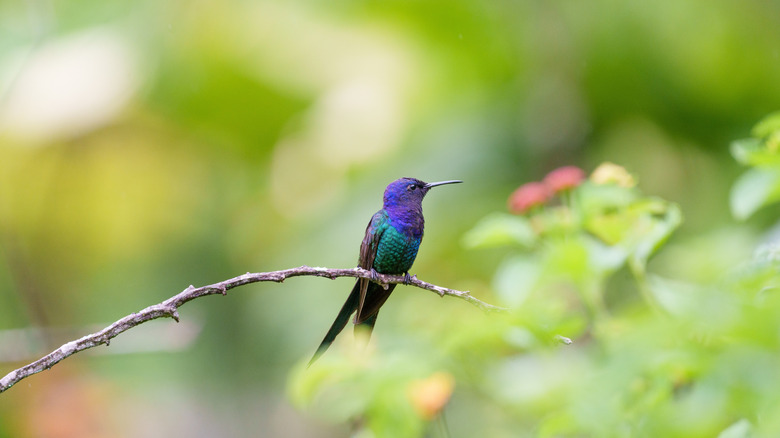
[[528, 196], [564, 178]]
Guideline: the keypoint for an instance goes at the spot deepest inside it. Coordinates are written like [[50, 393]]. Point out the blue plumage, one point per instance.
[[390, 245]]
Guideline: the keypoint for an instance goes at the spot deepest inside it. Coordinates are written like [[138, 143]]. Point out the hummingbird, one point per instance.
[[390, 246]]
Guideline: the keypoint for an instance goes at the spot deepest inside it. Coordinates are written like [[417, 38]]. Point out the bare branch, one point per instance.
[[169, 308]]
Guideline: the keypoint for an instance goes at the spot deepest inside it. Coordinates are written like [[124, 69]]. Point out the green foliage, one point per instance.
[[689, 359], [147, 145], [760, 185]]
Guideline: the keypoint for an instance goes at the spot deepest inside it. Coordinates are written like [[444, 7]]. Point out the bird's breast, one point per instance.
[[396, 251]]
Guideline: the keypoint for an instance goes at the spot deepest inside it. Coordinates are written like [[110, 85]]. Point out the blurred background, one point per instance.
[[146, 146]]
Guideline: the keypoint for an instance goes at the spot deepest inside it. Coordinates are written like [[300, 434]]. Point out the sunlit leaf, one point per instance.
[[675, 297], [659, 232], [604, 209], [611, 227], [604, 258], [740, 429], [650, 205], [767, 126], [568, 258], [742, 150], [594, 198], [753, 190], [753, 152]]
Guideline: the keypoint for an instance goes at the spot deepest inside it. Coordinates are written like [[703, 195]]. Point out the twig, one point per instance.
[[169, 308]]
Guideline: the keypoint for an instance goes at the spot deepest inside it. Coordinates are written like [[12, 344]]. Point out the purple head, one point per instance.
[[409, 191]]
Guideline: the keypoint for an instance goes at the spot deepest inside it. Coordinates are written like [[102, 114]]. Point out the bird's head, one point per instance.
[[409, 191]]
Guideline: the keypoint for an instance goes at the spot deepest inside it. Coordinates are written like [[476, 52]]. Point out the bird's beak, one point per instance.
[[441, 183]]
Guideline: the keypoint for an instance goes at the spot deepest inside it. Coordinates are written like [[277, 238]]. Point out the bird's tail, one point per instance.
[[338, 325], [376, 295]]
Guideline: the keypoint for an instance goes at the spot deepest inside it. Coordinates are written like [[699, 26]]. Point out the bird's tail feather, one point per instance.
[[376, 295], [338, 325]]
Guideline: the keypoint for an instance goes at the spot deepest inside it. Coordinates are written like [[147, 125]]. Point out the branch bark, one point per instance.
[[169, 308]]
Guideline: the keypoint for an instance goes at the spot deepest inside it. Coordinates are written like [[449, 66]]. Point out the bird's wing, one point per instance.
[[376, 227]]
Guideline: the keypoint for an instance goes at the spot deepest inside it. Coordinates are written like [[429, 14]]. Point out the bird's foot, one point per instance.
[[408, 278], [374, 275]]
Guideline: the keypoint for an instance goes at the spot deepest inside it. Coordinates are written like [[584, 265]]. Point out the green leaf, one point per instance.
[[568, 258], [611, 228], [767, 125], [741, 429], [753, 190], [596, 198], [743, 149], [659, 232], [753, 152], [500, 229], [604, 259], [676, 297], [650, 205]]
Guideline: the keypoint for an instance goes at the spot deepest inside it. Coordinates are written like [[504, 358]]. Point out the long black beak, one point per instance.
[[441, 183]]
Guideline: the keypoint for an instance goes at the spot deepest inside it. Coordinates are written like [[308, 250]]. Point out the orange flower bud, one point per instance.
[[430, 395]]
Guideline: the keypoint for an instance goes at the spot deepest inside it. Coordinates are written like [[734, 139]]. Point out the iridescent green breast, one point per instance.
[[395, 252]]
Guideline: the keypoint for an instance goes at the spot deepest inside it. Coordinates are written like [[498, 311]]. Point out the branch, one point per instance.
[[169, 308]]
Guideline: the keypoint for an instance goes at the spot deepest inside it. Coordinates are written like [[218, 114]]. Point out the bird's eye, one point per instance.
[[411, 187]]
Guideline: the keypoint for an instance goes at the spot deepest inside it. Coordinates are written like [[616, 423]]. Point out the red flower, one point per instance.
[[528, 196], [564, 178]]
